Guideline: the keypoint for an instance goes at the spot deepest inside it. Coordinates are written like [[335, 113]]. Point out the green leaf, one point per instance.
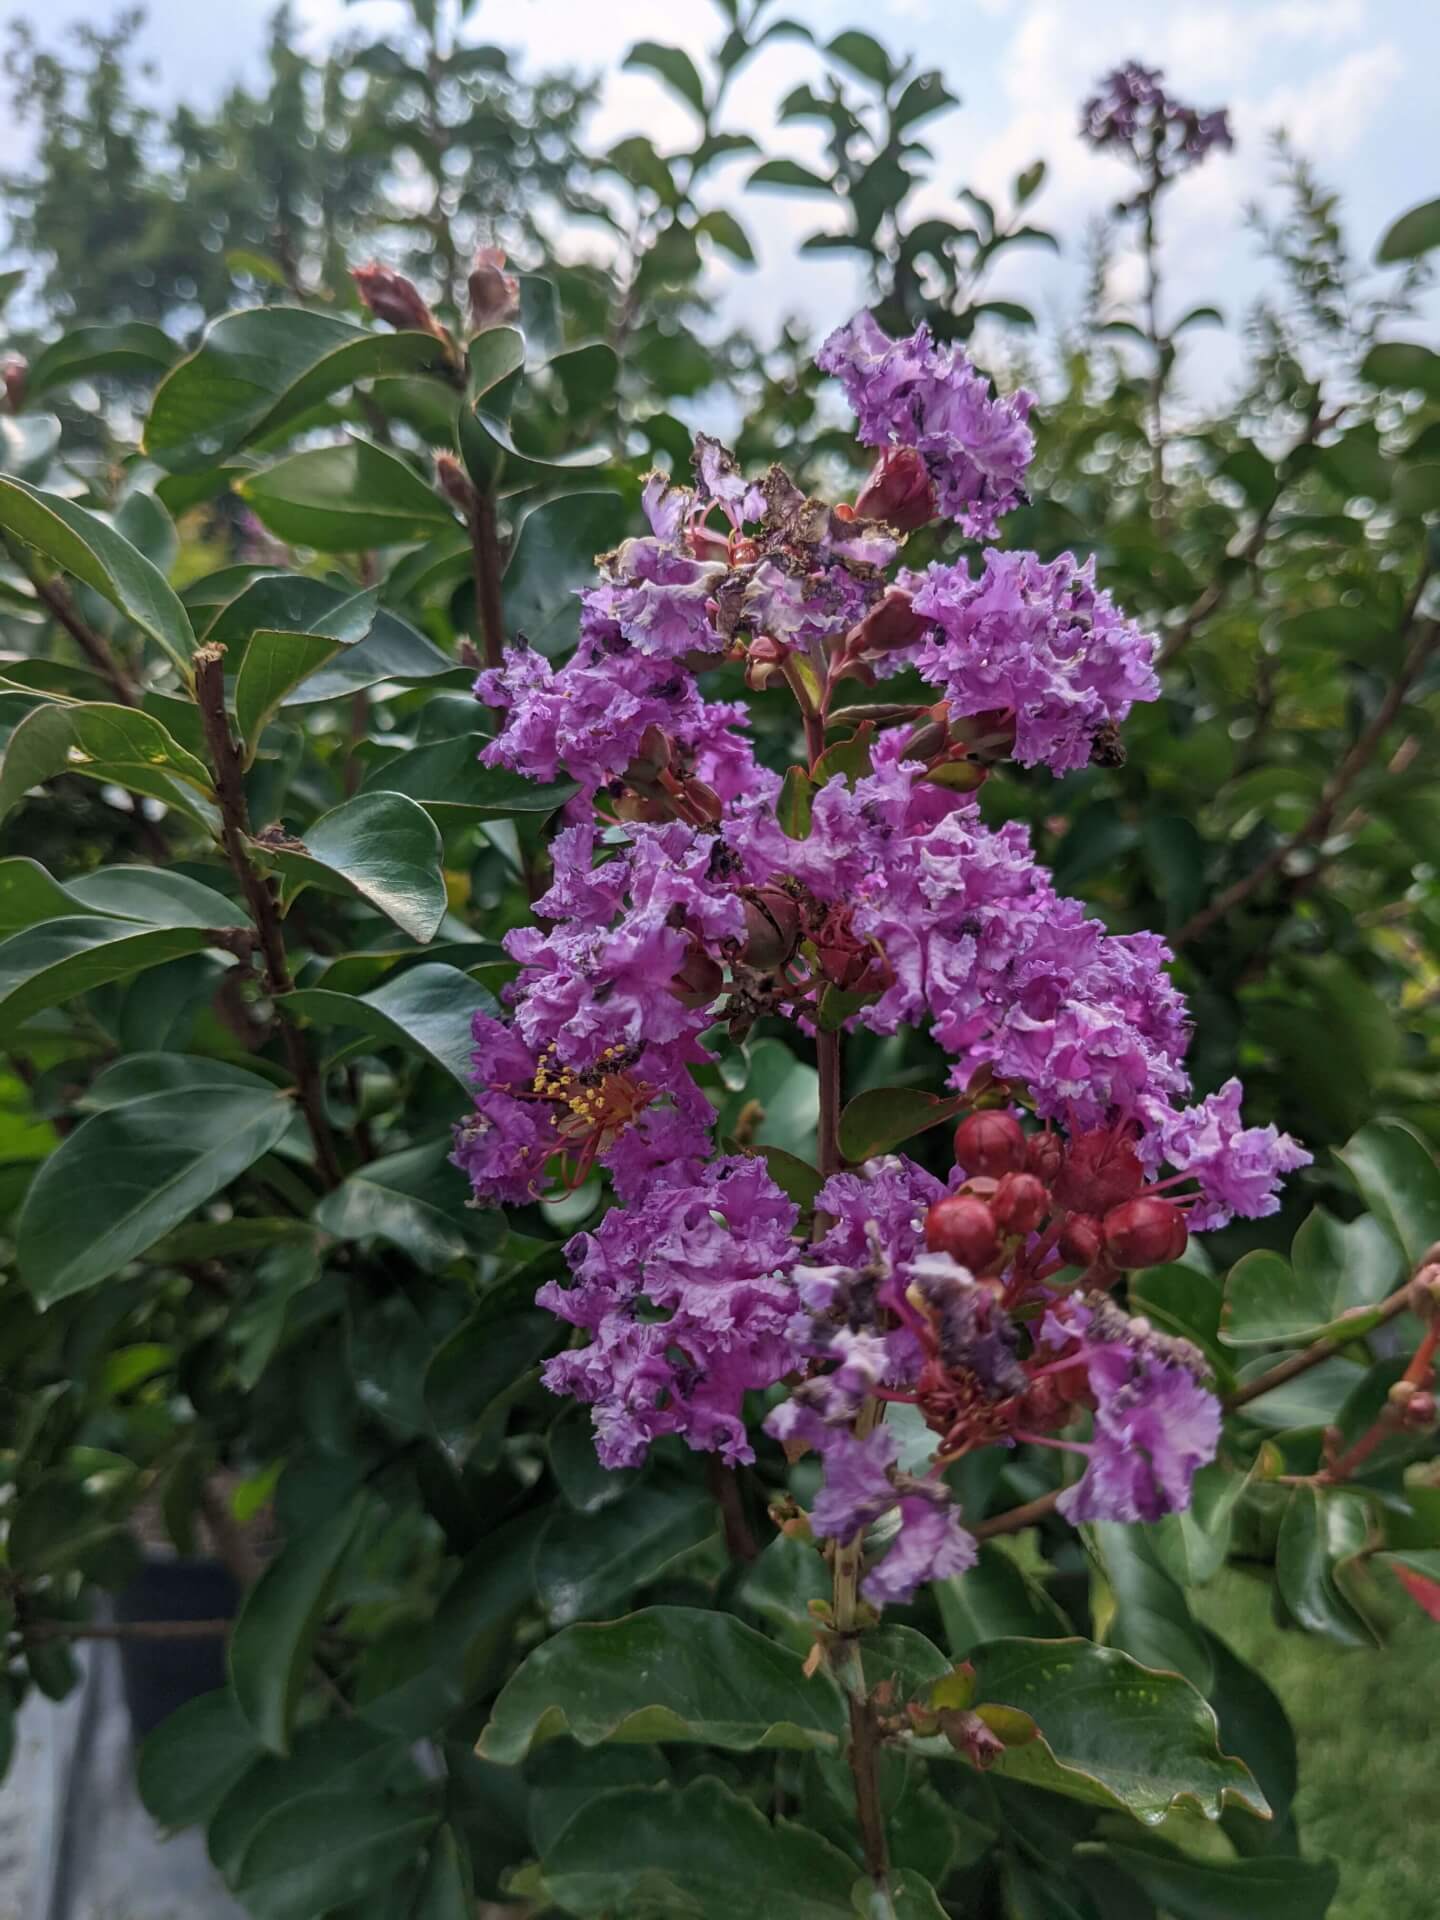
[[1279, 1889], [675, 68], [382, 847], [118, 744], [1413, 234], [154, 895], [483, 1361], [876, 1122], [447, 777], [1193, 1546], [279, 1620], [1109, 1732], [414, 1200], [585, 1565], [345, 498], [1399, 1182], [793, 809], [726, 231], [81, 544], [194, 1757], [428, 1009], [325, 1757], [1151, 1619], [1319, 1532], [255, 371], [995, 1598], [143, 1168], [702, 1851], [864, 54], [1334, 1282], [57, 1527], [445, 1892], [275, 663], [553, 556], [788, 174], [132, 349], [56, 961], [796, 1178], [1404, 367], [295, 603], [491, 456], [667, 1673], [325, 1850], [28, 894]]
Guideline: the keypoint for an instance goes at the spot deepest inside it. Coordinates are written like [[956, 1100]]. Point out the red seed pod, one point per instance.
[[698, 980], [990, 1143], [1148, 1232], [1044, 1156], [1020, 1203], [899, 492], [964, 1228], [1080, 1241]]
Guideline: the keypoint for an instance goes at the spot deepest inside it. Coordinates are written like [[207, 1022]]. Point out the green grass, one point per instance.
[[1366, 1725]]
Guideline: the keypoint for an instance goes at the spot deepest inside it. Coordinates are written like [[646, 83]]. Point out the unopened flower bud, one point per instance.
[[1044, 1156], [964, 1228], [990, 1143], [764, 663], [394, 299], [1101, 1170], [16, 374], [1080, 1241], [455, 483], [899, 492], [652, 756], [699, 980], [891, 623], [1148, 1232], [1420, 1413], [1020, 1203], [772, 929], [704, 800], [930, 735], [494, 294]]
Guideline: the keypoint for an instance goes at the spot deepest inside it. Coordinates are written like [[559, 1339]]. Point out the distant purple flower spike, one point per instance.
[[1132, 111], [911, 393]]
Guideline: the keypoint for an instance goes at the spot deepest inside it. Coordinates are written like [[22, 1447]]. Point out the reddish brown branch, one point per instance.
[[126, 1630], [234, 832], [93, 645], [485, 557]]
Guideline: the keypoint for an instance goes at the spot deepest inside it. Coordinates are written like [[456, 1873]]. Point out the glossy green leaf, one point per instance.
[[254, 371], [702, 1851], [143, 1168], [495, 463], [295, 603], [1279, 1889], [797, 799], [1150, 1615], [276, 663], [427, 1009], [154, 895], [1110, 1732], [447, 777], [79, 543], [56, 960], [326, 1757], [1403, 366], [876, 1122], [414, 1201], [585, 1566], [1336, 1277], [480, 1365], [667, 1673], [553, 556], [325, 1850], [1320, 1531], [382, 847], [193, 1759], [58, 1527], [1399, 1182], [1413, 234], [130, 349], [344, 498], [121, 745], [1192, 1546], [278, 1623], [994, 1599]]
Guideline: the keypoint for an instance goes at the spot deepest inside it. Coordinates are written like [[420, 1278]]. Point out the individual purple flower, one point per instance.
[[887, 1199], [686, 1296], [718, 478], [858, 1487], [1238, 1168], [1040, 642], [1155, 1423], [931, 1544], [910, 393]]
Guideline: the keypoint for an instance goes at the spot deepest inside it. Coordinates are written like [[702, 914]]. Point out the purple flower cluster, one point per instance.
[[678, 899], [1132, 111], [1040, 643], [911, 393]]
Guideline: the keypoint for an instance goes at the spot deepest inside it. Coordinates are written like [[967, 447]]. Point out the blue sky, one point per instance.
[[1353, 81]]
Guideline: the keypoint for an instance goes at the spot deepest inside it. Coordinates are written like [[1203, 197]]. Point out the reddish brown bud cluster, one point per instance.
[[394, 299], [1020, 1203], [1147, 1232], [990, 1144], [963, 1226]]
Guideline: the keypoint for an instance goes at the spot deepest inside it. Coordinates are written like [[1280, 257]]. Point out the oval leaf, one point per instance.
[[345, 498], [877, 1121], [381, 846]]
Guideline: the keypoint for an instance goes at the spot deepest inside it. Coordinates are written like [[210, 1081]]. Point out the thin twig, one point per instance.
[[1340, 783], [234, 832], [485, 557], [92, 644], [126, 1630]]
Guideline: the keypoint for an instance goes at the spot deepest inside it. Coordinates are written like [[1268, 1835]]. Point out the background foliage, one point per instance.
[[243, 1301]]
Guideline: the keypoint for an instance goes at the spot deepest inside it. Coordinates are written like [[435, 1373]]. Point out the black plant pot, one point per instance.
[[161, 1675]]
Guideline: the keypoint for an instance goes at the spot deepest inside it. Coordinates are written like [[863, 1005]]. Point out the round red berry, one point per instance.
[[963, 1227], [991, 1144], [1020, 1203], [1148, 1232]]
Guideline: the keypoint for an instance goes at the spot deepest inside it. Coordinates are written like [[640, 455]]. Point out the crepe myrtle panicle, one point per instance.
[[695, 893], [1130, 112]]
